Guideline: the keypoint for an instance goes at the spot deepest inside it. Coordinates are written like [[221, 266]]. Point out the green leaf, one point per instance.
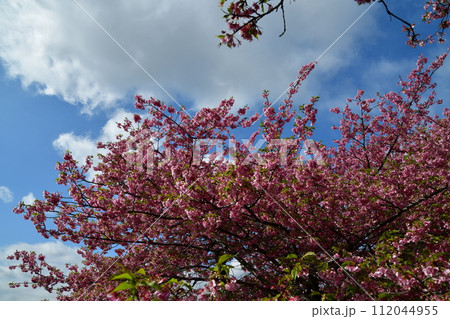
[[172, 281], [224, 258], [384, 295], [294, 273], [316, 293], [328, 297], [347, 263], [153, 284], [124, 286], [309, 254], [125, 276], [141, 272]]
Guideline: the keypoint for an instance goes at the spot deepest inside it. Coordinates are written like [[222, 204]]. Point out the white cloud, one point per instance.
[[56, 47], [110, 129], [29, 199], [57, 255], [6, 195], [83, 146], [237, 270]]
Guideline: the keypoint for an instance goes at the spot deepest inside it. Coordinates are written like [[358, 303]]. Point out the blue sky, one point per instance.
[[64, 82]]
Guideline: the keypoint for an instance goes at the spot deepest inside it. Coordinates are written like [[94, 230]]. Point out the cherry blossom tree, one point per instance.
[[242, 18], [169, 217]]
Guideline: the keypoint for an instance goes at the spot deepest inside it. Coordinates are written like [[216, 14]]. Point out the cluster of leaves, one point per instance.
[[139, 286], [242, 18], [367, 221]]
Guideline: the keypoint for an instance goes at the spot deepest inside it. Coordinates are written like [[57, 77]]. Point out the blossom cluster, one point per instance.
[[368, 219], [242, 18]]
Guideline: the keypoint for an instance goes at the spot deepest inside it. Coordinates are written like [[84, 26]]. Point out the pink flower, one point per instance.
[[113, 297], [232, 285], [171, 109], [335, 110]]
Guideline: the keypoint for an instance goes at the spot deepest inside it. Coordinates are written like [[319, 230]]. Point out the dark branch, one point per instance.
[[410, 27], [284, 19]]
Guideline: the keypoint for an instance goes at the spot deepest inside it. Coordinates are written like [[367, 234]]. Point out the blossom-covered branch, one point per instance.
[[168, 216], [242, 18]]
